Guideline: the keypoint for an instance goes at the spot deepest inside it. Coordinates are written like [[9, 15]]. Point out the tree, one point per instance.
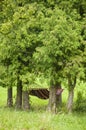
[[19, 33], [41, 37], [69, 7], [60, 44]]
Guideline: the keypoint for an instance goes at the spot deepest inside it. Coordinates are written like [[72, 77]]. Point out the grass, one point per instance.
[[37, 118]]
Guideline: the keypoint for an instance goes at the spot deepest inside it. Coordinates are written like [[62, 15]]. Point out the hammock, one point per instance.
[[43, 93], [40, 93]]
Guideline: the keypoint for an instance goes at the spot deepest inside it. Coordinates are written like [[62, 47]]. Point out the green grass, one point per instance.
[[20, 120], [38, 118]]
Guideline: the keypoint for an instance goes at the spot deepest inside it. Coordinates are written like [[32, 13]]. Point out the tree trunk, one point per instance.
[[59, 96], [52, 106], [9, 97], [55, 98], [70, 100], [19, 94], [26, 104], [71, 84]]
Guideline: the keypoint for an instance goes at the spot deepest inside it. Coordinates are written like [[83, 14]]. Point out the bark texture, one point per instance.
[[9, 97], [52, 106], [71, 84], [59, 95], [70, 100], [55, 98], [26, 104], [19, 94]]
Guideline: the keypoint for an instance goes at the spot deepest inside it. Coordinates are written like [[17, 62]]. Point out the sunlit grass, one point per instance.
[[19, 120], [38, 118]]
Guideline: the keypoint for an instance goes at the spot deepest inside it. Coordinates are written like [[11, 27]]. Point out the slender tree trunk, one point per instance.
[[26, 104], [19, 94], [9, 97], [72, 84], [70, 100]]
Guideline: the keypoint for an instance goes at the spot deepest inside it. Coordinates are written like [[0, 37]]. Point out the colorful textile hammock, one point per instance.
[[44, 93], [40, 93]]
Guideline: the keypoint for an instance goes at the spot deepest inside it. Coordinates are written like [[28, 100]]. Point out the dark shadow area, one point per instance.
[[80, 106]]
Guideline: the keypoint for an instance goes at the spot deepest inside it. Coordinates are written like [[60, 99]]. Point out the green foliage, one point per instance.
[[80, 94], [60, 44], [42, 38], [19, 38], [80, 102]]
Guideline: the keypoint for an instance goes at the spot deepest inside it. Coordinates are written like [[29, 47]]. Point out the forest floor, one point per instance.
[[38, 118]]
